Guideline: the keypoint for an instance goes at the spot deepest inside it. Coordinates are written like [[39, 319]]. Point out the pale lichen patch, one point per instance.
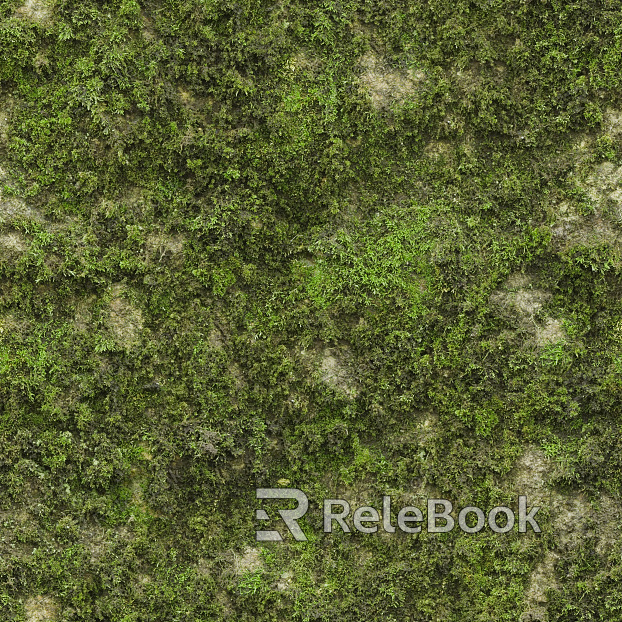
[[612, 121], [13, 208], [237, 375], [83, 314], [285, 581], [193, 101], [528, 301], [94, 541], [13, 242], [10, 324], [161, 247], [147, 29], [529, 478], [541, 580], [468, 79], [303, 61], [385, 85], [249, 561], [551, 332], [39, 11], [522, 302], [4, 134], [518, 294], [604, 179], [438, 150], [41, 609], [126, 321], [608, 519], [573, 519], [215, 339], [566, 222], [603, 188], [530, 475], [334, 373]]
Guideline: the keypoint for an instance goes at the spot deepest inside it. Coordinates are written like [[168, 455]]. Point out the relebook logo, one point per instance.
[[367, 519]]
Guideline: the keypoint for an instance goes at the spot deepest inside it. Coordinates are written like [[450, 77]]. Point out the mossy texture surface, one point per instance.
[[357, 248]]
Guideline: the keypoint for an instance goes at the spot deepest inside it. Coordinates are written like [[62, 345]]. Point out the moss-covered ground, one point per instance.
[[354, 247]]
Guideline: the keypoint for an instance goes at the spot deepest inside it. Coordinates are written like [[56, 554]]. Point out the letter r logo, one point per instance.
[[290, 517]]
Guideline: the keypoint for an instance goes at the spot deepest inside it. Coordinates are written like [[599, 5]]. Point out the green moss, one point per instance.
[[243, 243]]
